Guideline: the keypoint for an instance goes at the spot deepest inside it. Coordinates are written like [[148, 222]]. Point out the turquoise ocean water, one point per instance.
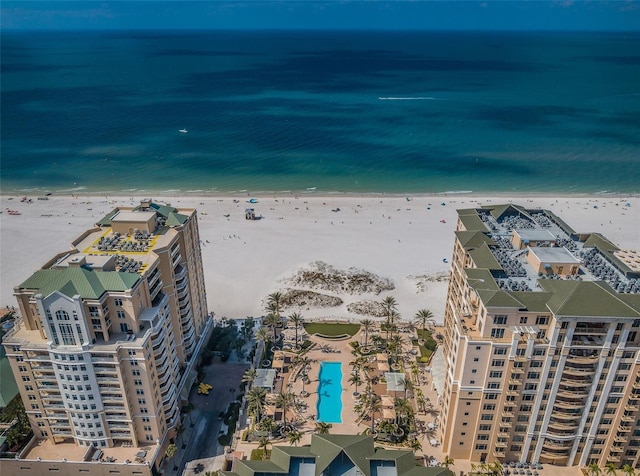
[[403, 112]]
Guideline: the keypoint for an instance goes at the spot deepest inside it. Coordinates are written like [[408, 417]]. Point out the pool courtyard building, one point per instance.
[[336, 455]]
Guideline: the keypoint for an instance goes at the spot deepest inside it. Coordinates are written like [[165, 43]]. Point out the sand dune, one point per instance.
[[402, 239]]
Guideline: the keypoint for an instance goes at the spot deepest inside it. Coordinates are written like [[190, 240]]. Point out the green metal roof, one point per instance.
[[483, 258], [9, 388], [532, 301], [472, 222], [498, 210], [106, 220], [89, 284], [326, 448], [499, 299], [586, 299], [176, 219], [481, 278], [472, 239]]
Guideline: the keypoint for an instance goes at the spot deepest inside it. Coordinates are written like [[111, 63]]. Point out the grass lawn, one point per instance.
[[429, 346], [331, 329]]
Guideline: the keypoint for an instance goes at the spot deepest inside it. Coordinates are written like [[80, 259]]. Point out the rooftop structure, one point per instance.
[[108, 333], [336, 455], [541, 343]]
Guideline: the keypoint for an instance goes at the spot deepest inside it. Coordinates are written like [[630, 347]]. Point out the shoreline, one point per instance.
[[137, 193], [402, 237]]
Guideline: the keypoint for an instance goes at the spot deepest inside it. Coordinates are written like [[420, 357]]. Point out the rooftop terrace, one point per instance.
[[555, 243]]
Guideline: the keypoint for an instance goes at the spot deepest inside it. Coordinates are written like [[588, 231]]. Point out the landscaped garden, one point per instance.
[[331, 329]]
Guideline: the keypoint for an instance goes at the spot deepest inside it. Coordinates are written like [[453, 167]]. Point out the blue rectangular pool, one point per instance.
[[329, 405]]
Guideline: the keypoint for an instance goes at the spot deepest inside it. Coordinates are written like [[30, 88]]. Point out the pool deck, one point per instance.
[[351, 424]]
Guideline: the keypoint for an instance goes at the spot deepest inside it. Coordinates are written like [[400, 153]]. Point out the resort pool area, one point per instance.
[[329, 405]]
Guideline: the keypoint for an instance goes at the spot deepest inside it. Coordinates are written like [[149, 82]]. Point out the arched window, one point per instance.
[[62, 315]]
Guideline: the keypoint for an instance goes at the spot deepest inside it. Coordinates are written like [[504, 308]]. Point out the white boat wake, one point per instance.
[[409, 98]]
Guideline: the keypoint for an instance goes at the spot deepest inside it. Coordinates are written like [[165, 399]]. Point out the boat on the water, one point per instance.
[[183, 131]]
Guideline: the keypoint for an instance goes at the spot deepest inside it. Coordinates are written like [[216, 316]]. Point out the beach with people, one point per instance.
[[332, 256]]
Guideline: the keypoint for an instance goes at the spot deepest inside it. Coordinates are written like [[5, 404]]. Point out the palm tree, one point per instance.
[[403, 410], [495, 468], [374, 405], [355, 380], [628, 470], [294, 437], [322, 428], [296, 320], [179, 431], [610, 468], [248, 376], [171, 451], [271, 320], [274, 301], [415, 445], [422, 317], [594, 469], [367, 325], [263, 443], [395, 345], [262, 335], [284, 401], [447, 462], [256, 398], [474, 468]]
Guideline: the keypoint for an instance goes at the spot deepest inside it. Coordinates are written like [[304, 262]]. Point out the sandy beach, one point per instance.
[[404, 240]]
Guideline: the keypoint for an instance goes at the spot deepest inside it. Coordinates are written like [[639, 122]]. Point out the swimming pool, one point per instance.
[[329, 405]]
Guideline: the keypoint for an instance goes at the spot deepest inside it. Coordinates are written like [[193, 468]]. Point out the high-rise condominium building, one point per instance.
[[542, 343], [109, 328]]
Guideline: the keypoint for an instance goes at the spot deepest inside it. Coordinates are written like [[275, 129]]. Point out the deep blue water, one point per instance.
[[329, 404], [338, 111]]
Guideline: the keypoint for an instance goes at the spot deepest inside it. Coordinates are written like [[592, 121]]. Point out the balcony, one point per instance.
[[568, 405], [577, 371], [505, 424], [557, 446], [620, 439], [631, 408], [566, 415], [624, 429], [499, 454], [563, 425], [616, 449], [508, 414]]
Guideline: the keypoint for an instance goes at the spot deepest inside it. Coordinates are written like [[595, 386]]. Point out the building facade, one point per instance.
[[109, 330], [541, 343]]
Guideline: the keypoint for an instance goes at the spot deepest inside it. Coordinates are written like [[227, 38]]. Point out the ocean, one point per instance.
[[320, 111]]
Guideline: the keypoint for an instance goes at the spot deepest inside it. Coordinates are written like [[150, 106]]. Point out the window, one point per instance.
[[486, 417], [495, 374], [118, 301], [62, 315], [500, 319], [481, 447], [523, 319], [500, 351], [542, 320], [66, 332], [121, 314], [497, 333], [497, 363]]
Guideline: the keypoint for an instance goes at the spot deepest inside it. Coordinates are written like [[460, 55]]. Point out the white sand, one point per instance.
[[244, 260]]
